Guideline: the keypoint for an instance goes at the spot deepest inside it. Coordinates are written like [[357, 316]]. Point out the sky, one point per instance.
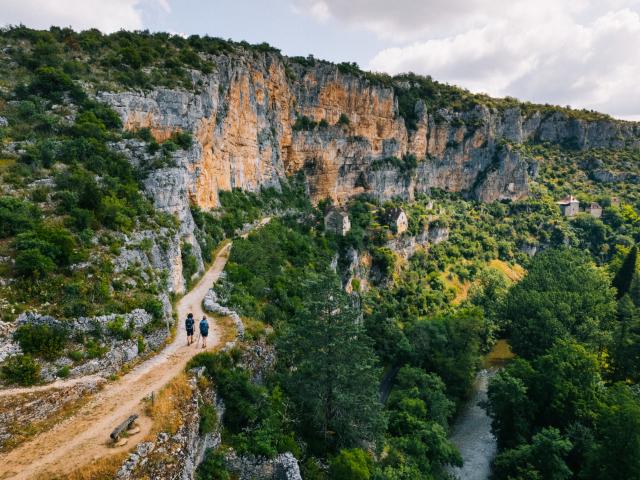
[[583, 53]]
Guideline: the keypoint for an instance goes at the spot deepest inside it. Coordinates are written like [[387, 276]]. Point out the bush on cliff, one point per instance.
[[21, 370], [42, 340]]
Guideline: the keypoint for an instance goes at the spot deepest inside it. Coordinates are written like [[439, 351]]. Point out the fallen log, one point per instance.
[[122, 427]]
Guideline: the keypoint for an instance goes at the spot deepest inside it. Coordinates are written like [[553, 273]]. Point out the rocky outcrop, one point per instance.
[[210, 304], [247, 467], [168, 187], [117, 352], [407, 245], [243, 117]]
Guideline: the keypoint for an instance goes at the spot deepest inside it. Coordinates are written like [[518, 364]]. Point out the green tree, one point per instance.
[[622, 280], [617, 454], [351, 464], [418, 420], [567, 386], [329, 369], [543, 459], [625, 351], [510, 408], [450, 347], [563, 296], [488, 293]]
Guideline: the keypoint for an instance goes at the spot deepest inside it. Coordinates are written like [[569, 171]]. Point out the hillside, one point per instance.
[[128, 160]]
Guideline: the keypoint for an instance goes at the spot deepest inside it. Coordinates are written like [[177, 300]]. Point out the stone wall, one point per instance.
[[118, 353]]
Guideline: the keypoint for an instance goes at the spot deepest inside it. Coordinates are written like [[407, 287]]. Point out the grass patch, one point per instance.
[[513, 272], [104, 468], [166, 407]]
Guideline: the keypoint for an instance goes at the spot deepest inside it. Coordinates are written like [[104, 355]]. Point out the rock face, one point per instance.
[[243, 116]]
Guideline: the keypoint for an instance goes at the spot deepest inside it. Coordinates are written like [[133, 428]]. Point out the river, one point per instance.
[[471, 432]]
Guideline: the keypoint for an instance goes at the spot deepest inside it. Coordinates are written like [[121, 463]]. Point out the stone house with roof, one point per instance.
[[337, 221], [398, 220], [569, 206]]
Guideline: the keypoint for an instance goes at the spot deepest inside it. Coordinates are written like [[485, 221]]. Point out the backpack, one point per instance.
[[189, 323], [204, 327]]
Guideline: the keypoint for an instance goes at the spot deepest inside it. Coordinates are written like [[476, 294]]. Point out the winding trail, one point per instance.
[[84, 436]]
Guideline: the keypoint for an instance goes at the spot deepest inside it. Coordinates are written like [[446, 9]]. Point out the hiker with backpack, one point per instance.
[[204, 331], [189, 324]]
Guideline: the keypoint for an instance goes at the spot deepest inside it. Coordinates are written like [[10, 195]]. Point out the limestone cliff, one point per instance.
[[243, 116]]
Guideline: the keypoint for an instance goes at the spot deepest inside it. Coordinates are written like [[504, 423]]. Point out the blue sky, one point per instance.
[[274, 21], [582, 53]]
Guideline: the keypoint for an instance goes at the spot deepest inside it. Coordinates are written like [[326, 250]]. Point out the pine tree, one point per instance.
[[329, 370], [626, 348], [622, 280]]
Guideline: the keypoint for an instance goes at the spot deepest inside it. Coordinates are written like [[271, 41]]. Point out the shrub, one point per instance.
[[16, 216], [116, 214], [21, 370], [118, 329], [63, 372], [304, 123], [344, 119], [208, 419], [351, 464], [53, 242], [45, 341], [76, 355], [33, 263], [94, 349], [154, 307], [184, 140], [189, 263], [213, 467], [52, 83], [384, 260]]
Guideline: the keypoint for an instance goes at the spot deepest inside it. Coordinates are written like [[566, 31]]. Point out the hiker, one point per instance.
[[189, 323], [204, 331]]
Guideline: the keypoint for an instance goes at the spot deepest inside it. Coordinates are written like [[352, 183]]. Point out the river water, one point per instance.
[[471, 432]]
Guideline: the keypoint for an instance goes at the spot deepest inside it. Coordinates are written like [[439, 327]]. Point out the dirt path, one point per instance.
[[83, 437]]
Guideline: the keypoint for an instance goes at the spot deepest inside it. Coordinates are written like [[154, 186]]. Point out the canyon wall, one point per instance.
[[243, 118]]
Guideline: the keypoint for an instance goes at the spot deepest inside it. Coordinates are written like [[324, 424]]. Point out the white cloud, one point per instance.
[[579, 52], [106, 15]]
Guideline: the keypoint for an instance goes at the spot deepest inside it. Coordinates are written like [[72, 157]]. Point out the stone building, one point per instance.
[[595, 210], [337, 221], [398, 220], [569, 206]]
